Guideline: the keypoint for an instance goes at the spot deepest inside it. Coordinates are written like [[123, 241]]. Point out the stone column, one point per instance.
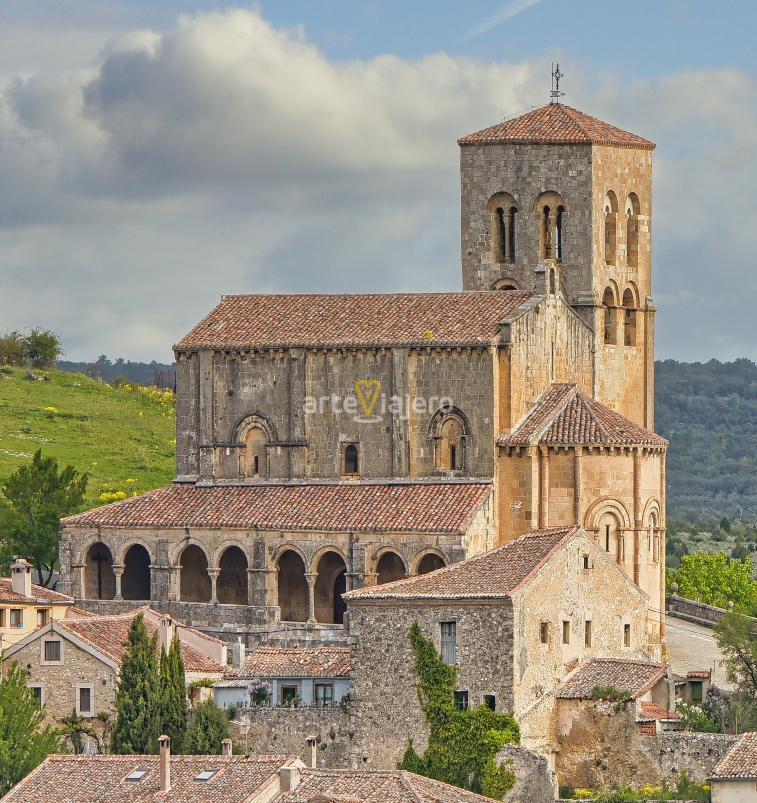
[[637, 514], [118, 570], [577, 477], [311, 578], [213, 581], [544, 489]]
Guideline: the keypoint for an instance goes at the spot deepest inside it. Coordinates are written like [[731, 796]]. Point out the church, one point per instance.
[[327, 443]]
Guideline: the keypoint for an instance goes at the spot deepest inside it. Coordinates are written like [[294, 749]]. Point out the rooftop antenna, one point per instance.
[[555, 94]]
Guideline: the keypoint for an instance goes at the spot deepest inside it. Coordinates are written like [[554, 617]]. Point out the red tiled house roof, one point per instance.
[[740, 762], [108, 635], [635, 677], [296, 662], [418, 507], [497, 573], [556, 124], [366, 786], [39, 594], [102, 779], [564, 416], [654, 711], [341, 320]]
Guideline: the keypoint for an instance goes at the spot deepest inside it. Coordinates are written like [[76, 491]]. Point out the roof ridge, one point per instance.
[[569, 396]]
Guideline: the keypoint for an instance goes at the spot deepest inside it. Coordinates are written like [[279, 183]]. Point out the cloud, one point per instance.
[[505, 13], [224, 156]]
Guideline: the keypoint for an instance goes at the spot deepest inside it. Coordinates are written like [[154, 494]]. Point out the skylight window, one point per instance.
[[137, 774], [205, 775]]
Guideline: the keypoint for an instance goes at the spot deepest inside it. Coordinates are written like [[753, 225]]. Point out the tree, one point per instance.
[[173, 694], [208, 729], [461, 744], [715, 580], [38, 495], [736, 636], [74, 728], [138, 705], [12, 348], [24, 742], [42, 348]]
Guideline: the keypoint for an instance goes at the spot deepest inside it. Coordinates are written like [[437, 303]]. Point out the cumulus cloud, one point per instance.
[[227, 156]]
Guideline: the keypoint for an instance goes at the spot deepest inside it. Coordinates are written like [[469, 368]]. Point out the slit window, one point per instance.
[[449, 642], [566, 632], [544, 632], [586, 561], [626, 635], [587, 633], [558, 233]]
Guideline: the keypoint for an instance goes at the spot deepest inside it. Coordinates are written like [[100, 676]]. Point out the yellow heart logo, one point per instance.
[[368, 393]]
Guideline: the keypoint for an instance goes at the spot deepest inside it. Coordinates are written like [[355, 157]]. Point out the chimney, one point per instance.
[[165, 763], [237, 654], [166, 630], [312, 741], [226, 747], [21, 573], [289, 778]]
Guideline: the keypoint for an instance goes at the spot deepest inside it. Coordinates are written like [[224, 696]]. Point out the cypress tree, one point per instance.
[[138, 697], [173, 695], [208, 729]]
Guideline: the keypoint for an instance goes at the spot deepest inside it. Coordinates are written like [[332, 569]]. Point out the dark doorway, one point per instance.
[[292, 588], [99, 580], [430, 563], [231, 587], [135, 581], [390, 567], [194, 583], [329, 607]]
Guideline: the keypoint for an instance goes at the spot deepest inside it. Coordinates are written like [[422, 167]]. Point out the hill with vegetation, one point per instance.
[[124, 436], [161, 375]]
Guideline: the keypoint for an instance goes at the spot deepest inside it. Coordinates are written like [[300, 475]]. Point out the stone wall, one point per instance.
[[264, 730], [693, 611], [534, 780], [695, 753]]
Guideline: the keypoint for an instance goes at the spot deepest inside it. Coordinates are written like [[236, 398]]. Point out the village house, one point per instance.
[[300, 676], [73, 664], [221, 779], [734, 779], [515, 621], [26, 607]]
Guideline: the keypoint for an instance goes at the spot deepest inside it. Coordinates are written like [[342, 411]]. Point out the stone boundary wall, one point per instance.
[[693, 611], [695, 753], [266, 730]]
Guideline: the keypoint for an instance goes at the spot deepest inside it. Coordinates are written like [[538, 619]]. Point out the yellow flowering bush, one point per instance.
[[114, 496]]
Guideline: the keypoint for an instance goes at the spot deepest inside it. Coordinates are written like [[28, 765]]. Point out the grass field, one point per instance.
[[123, 437]]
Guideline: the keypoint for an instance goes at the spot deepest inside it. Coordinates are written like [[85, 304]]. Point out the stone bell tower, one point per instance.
[[557, 184]]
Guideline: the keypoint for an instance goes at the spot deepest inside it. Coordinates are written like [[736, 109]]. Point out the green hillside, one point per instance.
[[123, 437]]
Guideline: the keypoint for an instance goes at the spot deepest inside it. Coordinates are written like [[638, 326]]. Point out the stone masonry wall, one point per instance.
[[383, 678]]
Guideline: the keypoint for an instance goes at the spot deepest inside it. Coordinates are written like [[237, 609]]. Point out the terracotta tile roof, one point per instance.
[[79, 613], [564, 416], [366, 786], [558, 124], [493, 574], [296, 662], [39, 594], [635, 677], [654, 711], [102, 779], [699, 673], [740, 761], [323, 321], [108, 635], [421, 507]]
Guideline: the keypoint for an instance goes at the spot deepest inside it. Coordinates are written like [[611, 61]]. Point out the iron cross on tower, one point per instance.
[[555, 94]]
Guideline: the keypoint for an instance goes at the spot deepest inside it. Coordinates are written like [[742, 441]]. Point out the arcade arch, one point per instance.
[[330, 584], [99, 578], [389, 568], [231, 586], [292, 587], [135, 581], [194, 580]]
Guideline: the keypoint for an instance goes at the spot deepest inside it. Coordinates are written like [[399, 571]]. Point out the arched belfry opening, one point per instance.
[[629, 317], [231, 586], [611, 228], [135, 581], [430, 563], [610, 317], [292, 587], [550, 207], [330, 584], [99, 578], [632, 230], [194, 580], [390, 567], [503, 210]]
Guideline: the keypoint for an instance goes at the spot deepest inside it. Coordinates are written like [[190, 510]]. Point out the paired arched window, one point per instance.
[[610, 536], [551, 210], [450, 432], [629, 319], [610, 313], [503, 210], [611, 227]]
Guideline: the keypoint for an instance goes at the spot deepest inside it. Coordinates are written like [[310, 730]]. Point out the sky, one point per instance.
[[156, 155]]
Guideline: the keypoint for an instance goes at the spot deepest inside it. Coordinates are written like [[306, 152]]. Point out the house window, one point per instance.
[[43, 616], [449, 642], [351, 462], [544, 632], [626, 635], [324, 694], [52, 651], [17, 617], [586, 561], [696, 692], [566, 632], [2, 617], [587, 633], [289, 695], [37, 694], [461, 700], [490, 701], [84, 701]]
